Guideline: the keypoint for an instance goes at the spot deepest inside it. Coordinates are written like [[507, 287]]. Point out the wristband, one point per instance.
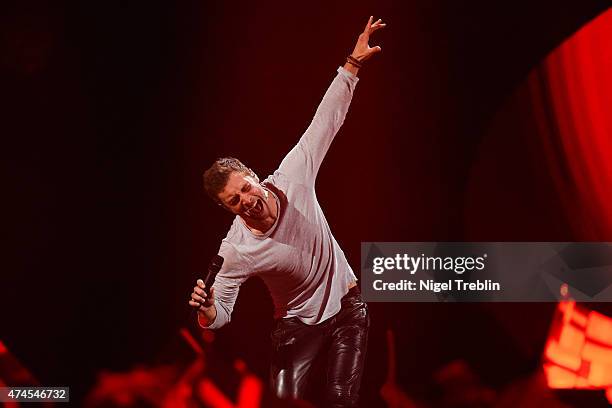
[[354, 61]]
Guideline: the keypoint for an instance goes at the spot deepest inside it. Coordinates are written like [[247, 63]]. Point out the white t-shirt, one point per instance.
[[299, 259]]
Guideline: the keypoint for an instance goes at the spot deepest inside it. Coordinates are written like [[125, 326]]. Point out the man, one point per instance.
[[281, 235]]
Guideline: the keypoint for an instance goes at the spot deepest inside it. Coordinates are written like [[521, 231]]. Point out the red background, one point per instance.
[[459, 130]]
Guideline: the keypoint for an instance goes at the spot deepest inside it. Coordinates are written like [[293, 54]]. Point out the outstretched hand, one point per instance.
[[362, 50]]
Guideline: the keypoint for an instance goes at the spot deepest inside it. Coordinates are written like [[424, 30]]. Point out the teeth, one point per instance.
[[254, 207]]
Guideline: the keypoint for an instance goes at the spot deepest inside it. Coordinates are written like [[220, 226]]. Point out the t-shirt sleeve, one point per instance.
[[302, 163], [227, 283]]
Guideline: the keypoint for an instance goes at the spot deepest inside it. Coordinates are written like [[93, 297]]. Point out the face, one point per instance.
[[244, 196]]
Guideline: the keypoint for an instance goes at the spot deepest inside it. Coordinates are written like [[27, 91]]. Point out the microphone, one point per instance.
[[213, 269]]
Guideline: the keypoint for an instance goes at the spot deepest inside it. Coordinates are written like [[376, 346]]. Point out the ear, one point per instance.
[[224, 207]]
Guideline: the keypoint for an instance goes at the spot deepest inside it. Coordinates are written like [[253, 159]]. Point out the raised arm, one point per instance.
[[302, 163]]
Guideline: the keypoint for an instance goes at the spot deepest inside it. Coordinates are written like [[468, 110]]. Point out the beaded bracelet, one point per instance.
[[354, 61]]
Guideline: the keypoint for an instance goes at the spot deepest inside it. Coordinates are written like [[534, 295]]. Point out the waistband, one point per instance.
[[354, 291]]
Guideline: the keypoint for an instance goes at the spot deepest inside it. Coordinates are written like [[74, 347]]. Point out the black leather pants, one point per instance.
[[333, 351]]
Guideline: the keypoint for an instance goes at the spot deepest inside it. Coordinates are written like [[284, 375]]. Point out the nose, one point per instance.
[[245, 200]]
